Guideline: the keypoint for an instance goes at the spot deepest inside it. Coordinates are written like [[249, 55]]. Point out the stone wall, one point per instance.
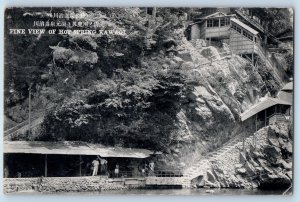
[[69, 184], [266, 162], [164, 180]]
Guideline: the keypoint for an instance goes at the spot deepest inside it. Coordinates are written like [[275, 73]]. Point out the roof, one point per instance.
[[284, 95], [216, 14], [73, 148], [288, 87], [213, 15], [244, 26], [268, 102]]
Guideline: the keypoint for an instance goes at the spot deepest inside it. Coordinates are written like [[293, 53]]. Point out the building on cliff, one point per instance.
[[239, 28], [270, 110]]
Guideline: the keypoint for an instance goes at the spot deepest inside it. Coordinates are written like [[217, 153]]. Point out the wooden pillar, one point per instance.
[[79, 165], [265, 117], [154, 12], [255, 122], [244, 139], [252, 58], [219, 27], [46, 165]]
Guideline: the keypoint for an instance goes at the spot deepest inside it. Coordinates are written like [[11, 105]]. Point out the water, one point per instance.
[[187, 192]]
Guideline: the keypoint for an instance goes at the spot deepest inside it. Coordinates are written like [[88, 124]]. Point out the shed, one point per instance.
[[75, 151], [268, 102]]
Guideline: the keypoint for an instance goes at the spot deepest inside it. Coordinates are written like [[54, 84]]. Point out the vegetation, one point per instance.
[[102, 88]]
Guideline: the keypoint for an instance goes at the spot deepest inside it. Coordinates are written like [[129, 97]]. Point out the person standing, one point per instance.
[[117, 170], [95, 164], [103, 165], [151, 167]]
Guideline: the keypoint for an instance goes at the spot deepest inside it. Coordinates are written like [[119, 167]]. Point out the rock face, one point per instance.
[[266, 163], [225, 86]]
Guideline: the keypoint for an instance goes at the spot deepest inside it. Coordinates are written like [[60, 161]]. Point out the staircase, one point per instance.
[[204, 164], [23, 127]]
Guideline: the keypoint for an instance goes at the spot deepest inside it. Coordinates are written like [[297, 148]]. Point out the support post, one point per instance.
[[265, 117], [46, 165], [154, 12], [80, 165], [252, 58], [244, 149], [255, 122]]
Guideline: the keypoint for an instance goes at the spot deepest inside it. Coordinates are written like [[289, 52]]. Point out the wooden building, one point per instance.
[[221, 27], [245, 41], [211, 27], [270, 110], [68, 159]]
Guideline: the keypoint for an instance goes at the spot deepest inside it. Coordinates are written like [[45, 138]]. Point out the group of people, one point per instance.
[[93, 168], [147, 169]]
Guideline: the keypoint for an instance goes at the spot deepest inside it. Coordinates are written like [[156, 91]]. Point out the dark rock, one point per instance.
[[273, 181], [272, 153], [242, 158], [249, 168], [210, 177]]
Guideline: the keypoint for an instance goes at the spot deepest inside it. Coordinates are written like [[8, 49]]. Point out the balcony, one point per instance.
[[241, 12]]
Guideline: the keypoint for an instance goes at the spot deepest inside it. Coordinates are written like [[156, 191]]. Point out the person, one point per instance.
[[145, 169], [143, 172], [103, 165], [151, 167], [117, 170], [95, 164], [6, 172]]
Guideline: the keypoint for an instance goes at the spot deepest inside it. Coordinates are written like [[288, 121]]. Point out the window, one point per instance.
[[209, 23], [227, 21], [237, 28], [248, 35], [216, 22], [222, 22]]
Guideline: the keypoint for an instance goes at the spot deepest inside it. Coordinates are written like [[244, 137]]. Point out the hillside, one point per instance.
[[150, 88]]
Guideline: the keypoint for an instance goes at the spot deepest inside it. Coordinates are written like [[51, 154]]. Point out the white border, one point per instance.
[[166, 3]]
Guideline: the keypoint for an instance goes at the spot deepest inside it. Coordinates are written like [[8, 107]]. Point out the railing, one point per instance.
[[253, 22], [22, 124], [277, 117], [156, 173], [168, 173]]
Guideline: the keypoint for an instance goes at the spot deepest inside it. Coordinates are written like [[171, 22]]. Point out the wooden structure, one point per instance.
[[211, 27], [52, 155], [270, 110], [251, 18], [245, 41]]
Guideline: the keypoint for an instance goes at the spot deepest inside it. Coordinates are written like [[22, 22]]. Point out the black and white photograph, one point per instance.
[[148, 100]]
